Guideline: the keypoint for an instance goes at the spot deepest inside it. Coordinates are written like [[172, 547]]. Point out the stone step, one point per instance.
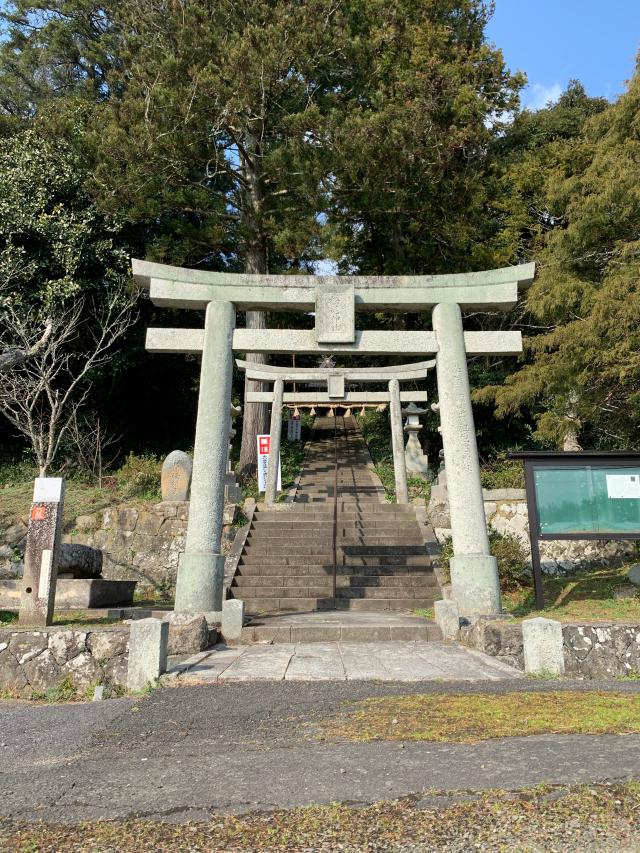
[[330, 633], [345, 508], [399, 581], [301, 549], [325, 542], [366, 593], [298, 605], [277, 530], [325, 589], [350, 562], [275, 570]]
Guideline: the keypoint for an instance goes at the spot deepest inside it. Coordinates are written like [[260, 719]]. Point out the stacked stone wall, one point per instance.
[[506, 512], [592, 650], [32, 661], [142, 544]]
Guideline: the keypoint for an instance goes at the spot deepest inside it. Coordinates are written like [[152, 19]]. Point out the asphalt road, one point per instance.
[[184, 753]]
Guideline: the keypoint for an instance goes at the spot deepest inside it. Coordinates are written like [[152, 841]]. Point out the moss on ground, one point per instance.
[[584, 596], [594, 817], [472, 718]]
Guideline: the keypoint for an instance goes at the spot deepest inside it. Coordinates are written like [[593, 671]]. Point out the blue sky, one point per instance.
[[553, 41]]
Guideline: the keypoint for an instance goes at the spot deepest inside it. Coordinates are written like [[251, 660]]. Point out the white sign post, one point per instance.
[[264, 443]]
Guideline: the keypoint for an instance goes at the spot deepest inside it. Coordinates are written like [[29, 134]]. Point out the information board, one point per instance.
[[590, 499]]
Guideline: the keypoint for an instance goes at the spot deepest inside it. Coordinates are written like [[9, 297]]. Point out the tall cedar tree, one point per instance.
[[583, 370], [262, 115]]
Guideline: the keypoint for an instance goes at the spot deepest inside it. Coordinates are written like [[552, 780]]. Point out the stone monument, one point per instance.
[[175, 479], [42, 553], [416, 461]]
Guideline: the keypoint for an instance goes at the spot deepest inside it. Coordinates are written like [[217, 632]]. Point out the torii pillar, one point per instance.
[[474, 572], [201, 572]]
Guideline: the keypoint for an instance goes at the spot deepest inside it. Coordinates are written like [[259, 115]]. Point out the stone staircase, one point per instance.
[[382, 564]]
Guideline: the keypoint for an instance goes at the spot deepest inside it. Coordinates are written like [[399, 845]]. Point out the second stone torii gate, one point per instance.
[[335, 299], [336, 380]]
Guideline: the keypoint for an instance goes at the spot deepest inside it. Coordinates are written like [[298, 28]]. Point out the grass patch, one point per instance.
[[469, 719], [425, 612], [584, 596], [136, 483], [541, 818], [7, 618]]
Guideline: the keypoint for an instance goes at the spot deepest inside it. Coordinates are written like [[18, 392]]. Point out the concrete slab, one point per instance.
[[338, 661], [259, 663], [316, 662]]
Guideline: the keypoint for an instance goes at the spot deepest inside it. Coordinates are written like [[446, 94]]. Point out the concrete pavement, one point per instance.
[[391, 661]]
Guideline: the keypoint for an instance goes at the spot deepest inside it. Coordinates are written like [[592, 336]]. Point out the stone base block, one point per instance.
[[475, 585], [188, 633], [200, 582], [543, 646], [75, 593]]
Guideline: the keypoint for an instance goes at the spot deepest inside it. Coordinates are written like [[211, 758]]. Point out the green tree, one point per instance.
[[218, 119], [52, 49], [583, 368], [63, 271], [411, 186]]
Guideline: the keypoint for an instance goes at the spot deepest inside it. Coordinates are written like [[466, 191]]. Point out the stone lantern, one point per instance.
[[417, 462]]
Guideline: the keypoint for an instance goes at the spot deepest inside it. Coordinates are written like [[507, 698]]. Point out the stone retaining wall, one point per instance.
[[592, 650], [142, 544], [32, 661], [506, 512]]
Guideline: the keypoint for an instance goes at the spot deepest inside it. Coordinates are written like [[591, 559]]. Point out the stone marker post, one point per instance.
[[201, 572], [474, 572], [397, 441], [42, 553], [274, 443], [175, 479]]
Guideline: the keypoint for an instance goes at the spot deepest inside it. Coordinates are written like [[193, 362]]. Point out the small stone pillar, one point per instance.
[[148, 644], [543, 646], [474, 572], [416, 461], [399, 467], [232, 619], [274, 443], [42, 553], [201, 571], [447, 618]]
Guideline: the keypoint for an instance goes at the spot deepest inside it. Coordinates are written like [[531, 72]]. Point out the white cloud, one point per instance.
[[537, 96]]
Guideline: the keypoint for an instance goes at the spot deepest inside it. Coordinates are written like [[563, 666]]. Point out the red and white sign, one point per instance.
[[264, 445]]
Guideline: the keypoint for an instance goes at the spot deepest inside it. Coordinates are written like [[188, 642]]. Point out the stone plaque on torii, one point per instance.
[[335, 301]]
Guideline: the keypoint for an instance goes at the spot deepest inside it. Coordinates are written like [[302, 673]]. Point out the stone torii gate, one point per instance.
[[336, 379], [335, 300]]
